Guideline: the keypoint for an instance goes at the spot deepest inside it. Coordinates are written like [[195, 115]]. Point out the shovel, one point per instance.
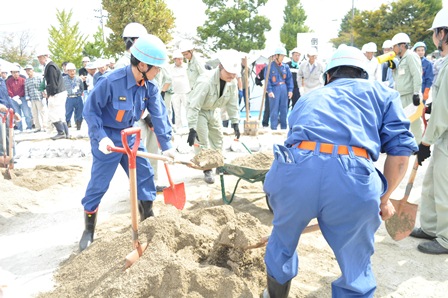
[[10, 170], [401, 224], [264, 240], [175, 194], [139, 248]]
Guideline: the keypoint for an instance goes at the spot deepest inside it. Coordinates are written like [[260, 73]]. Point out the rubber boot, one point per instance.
[[225, 123], [145, 209], [78, 125], [87, 235], [69, 124], [208, 177], [66, 131], [276, 290], [60, 129]]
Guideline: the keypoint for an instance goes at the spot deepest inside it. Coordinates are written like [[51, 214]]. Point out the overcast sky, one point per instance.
[[324, 16]]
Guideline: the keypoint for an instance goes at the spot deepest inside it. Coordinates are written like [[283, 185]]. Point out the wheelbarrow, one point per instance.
[[243, 173]]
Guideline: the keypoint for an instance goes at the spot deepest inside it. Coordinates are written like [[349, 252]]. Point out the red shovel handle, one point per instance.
[[132, 153]]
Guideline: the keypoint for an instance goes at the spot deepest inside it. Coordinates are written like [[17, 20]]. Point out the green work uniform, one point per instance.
[[204, 114], [408, 81], [434, 201]]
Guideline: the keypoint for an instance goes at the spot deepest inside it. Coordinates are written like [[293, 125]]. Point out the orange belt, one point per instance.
[[328, 148]]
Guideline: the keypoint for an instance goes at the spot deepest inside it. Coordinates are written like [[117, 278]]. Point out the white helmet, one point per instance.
[[70, 66], [387, 44], [134, 30], [369, 48], [441, 19], [185, 46], [85, 59], [295, 50], [347, 56], [312, 52], [400, 38], [177, 54], [230, 60], [42, 52]]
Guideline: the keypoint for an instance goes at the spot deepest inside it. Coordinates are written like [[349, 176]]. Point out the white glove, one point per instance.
[[102, 146], [17, 99], [171, 153]]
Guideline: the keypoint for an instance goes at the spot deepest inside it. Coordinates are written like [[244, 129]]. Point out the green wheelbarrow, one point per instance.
[[247, 174]]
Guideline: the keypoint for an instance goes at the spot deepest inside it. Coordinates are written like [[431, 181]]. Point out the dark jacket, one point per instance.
[[4, 97], [53, 77]]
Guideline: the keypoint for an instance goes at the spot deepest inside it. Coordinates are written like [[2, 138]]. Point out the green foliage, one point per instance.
[[14, 47], [97, 47], [234, 25], [65, 42], [412, 17], [294, 21], [153, 14]]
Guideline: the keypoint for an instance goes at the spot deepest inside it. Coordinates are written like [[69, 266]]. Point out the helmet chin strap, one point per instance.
[[145, 78]]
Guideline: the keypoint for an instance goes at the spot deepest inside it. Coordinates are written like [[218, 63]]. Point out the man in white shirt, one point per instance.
[[373, 66], [310, 73], [181, 87]]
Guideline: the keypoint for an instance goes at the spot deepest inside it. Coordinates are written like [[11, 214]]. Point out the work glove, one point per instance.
[[426, 94], [423, 153], [240, 94], [163, 94], [392, 63], [171, 153], [428, 108], [192, 135], [258, 82], [148, 121], [102, 146], [236, 129], [416, 100], [17, 99]]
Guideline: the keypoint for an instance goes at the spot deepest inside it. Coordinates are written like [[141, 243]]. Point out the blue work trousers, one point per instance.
[[278, 106], [24, 111], [104, 167], [73, 104], [343, 193]]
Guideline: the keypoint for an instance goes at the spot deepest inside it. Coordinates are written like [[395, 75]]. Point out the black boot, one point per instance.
[[145, 209], [208, 177], [276, 290], [65, 126], [78, 125], [69, 124], [60, 129], [225, 123], [87, 235]]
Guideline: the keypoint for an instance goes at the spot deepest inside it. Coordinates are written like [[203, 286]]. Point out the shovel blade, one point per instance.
[[134, 255], [401, 224], [175, 195]]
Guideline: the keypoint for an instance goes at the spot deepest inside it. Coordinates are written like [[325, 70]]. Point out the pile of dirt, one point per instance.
[[258, 161], [44, 176], [197, 253], [208, 159]]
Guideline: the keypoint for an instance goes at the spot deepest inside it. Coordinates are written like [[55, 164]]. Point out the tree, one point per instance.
[[97, 47], [153, 14], [294, 18], [412, 17], [235, 25], [15, 47], [65, 42]]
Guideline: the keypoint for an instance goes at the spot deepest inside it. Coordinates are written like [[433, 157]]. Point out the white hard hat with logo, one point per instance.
[[29, 66], [230, 60], [312, 52], [295, 50], [400, 38], [134, 30], [42, 52]]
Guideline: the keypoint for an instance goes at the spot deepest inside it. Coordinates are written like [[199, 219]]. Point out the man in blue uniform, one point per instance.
[[117, 102], [326, 171], [427, 73], [279, 88]]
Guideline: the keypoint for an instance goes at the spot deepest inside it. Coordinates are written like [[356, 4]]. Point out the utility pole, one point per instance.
[[101, 16]]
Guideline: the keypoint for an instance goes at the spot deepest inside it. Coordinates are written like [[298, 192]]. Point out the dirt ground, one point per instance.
[[196, 252]]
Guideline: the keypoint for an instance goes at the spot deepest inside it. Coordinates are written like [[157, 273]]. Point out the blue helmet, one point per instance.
[[347, 56], [150, 49], [419, 44], [280, 51]]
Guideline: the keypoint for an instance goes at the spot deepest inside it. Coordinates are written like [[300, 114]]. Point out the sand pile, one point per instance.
[[258, 161]]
